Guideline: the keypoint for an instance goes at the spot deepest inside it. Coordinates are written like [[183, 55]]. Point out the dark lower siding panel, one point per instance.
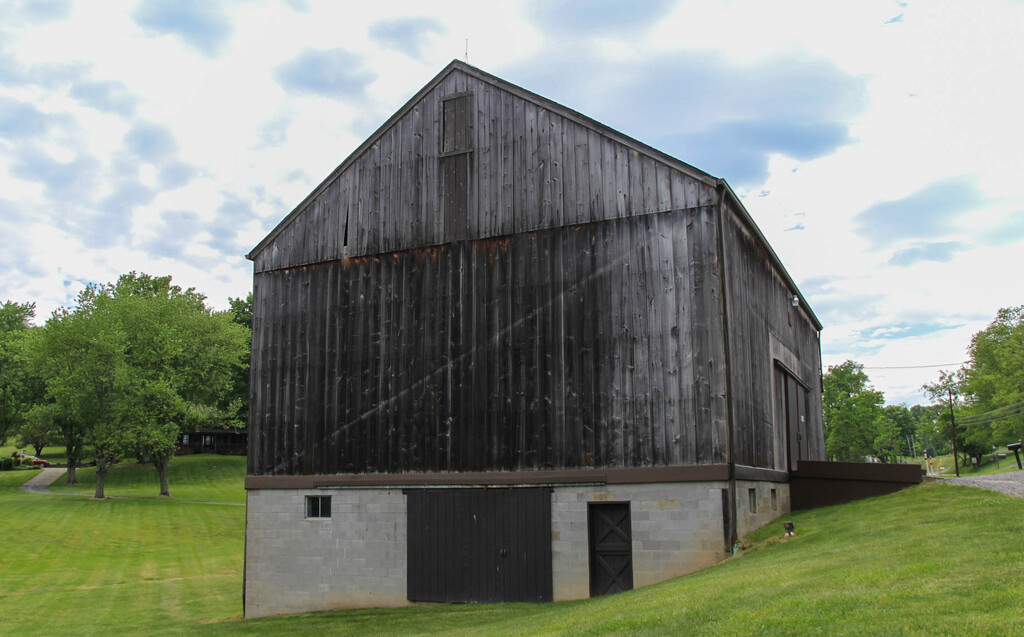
[[590, 346], [817, 484]]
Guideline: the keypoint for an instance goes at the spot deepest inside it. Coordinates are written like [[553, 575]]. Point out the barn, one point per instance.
[[506, 353]]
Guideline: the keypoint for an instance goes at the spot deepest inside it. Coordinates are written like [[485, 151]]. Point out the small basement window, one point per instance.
[[752, 496], [318, 506], [775, 500]]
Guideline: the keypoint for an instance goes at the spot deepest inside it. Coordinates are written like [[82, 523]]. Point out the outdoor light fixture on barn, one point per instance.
[[524, 356]]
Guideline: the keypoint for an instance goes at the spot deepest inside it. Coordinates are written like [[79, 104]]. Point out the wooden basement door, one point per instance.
[[611, 547], [479, 545]]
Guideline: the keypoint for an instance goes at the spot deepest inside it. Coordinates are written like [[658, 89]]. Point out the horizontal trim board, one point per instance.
[[577, 225], [760, 474], [631, 475]]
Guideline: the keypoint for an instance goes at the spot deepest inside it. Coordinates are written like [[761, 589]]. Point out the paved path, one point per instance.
[[41, 482], [1009, 483]]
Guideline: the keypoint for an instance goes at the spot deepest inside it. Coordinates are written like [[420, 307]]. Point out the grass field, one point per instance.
[[931, 560], [207, 478], [987, 465]]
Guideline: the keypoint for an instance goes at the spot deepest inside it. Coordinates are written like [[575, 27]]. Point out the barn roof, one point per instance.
[[554, 107]]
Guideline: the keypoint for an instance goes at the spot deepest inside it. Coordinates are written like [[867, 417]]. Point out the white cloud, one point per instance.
[[941, 93]]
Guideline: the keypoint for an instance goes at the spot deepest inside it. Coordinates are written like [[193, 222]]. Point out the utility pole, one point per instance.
[[952, 421]]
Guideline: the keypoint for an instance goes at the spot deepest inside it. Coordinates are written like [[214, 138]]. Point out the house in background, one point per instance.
[[220, 440], [506, 353]]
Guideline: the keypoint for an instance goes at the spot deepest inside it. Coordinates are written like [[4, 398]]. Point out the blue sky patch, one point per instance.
[[1009, 231], [151, 142], [589, 16], [110, 96], [67, 181], [722, 117], [325, 72], [21, 120], [407, 35], [940, 251], [902, 330], [929, 212], [201, 24]]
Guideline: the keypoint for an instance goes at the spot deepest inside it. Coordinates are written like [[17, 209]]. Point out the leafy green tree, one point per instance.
[[949, 389], [926, 429], [183, 358], [886, 444], [994, 378], [236, 402], [16, 391], [39, 428], [81, 356], [853, 412]]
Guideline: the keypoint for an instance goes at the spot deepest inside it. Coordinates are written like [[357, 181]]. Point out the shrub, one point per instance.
[[6, 464]]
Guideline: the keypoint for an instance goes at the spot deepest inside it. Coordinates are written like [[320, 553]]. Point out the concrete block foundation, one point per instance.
[[358, 556]]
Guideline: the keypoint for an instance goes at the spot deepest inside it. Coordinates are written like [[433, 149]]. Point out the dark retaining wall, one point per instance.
[[816, 484]]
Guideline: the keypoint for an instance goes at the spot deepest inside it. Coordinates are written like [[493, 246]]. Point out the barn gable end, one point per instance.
[[586, 344], [526, 164]]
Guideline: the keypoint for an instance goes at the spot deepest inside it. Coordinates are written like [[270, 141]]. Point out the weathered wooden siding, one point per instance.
[[590, 345], [529, 168], [760, 311]]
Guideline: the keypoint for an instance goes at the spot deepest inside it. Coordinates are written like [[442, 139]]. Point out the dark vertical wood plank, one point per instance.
[[595, 165]]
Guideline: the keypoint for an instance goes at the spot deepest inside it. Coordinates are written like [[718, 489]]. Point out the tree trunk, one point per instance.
[[101, 477], [39, 449], [73, 450], [162, 462]]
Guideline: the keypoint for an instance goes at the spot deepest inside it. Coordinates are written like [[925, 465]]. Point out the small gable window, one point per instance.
[[456, 137]]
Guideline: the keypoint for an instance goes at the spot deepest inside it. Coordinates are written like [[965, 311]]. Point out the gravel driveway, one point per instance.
[[1008, 483]]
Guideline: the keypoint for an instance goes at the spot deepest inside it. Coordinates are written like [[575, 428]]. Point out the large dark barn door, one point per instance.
[[792, 409], [611, 548], [479, 545]]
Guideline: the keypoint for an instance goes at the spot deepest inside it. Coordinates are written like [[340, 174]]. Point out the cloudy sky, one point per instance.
[[878, 144]]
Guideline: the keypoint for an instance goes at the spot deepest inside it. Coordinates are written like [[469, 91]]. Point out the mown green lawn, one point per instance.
[[932, 560], [75, 566], [205, 477], [987, 465]]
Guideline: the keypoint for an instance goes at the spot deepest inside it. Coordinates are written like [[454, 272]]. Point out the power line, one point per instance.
[[991, 420], [914, 366], [993, 411]]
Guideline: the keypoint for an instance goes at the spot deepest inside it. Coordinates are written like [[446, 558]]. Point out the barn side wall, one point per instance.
[[527, 168], [765, 330], [358, 557], [597, 345]]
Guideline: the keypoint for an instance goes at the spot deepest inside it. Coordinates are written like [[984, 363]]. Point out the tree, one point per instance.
[[15, 387], [924, 419], [949, 390], [855, 424], [39, 428], [236, 401], [994, 379], [183, 358], [81, 356]]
